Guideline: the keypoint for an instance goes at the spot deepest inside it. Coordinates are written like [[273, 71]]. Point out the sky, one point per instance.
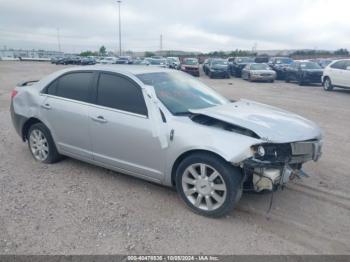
[[189, 25]]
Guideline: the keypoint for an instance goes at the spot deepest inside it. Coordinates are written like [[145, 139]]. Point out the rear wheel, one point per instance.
[[208, 185], [327, 84], [301, 82], [41, 144]]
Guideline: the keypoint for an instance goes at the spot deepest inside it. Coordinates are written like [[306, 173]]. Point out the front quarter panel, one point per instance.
[[189, 136]]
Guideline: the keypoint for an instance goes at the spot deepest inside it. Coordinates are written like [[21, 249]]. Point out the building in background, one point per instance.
[[16, 54]]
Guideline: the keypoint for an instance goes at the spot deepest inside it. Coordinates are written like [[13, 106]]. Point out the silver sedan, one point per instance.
[[167, 127], [258, 72]]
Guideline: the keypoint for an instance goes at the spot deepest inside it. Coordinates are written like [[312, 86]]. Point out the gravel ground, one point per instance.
[[75, 208]]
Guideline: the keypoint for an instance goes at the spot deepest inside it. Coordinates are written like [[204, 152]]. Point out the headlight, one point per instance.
[[272, 152], [260, 150]]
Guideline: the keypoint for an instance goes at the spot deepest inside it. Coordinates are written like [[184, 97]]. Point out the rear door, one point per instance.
[[345, 76], [336, 72], [292, 71], [121, 131], [65, 111]]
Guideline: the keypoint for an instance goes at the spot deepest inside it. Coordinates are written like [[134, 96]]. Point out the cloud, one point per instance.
[[185, 24]]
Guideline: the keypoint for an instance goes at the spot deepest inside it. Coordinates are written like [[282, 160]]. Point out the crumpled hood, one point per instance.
[[270, 123]]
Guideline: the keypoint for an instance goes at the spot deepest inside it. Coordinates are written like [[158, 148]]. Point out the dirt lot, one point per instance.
[[76, 208]]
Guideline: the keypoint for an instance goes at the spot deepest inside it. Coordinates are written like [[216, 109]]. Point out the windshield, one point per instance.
[[158, 61], [179, 92], [310, 65], [173, 59], [284, 61], [259, 67], [219, 62], [245, 60], [190, 61]]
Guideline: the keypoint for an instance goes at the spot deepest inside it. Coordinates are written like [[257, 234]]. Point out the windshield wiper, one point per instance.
[[185, 113]]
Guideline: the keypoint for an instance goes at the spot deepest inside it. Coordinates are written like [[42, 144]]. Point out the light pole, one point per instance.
[[120, 36]]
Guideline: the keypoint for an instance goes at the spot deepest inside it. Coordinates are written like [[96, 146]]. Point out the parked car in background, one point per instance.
[[262, 59], [337, 74], [68, 60], [238, 64], [124, 60], [323, 62], [279, 64], [258, 72], [146, 61], [166, 127], [55, 59], [60, 61], [303, 72], [173, 62], [206, 65], [108, 60], [190, 66], [218, 68], [90, 60], [157, 57], [162, 62]]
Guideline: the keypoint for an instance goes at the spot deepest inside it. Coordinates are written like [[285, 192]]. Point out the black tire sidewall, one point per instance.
[[231, 175], [53, 155]]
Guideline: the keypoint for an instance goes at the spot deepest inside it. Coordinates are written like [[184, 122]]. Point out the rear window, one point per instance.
[[75, 86], [52, 88]]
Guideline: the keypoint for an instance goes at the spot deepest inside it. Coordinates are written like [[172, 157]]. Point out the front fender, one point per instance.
[[231, 146]]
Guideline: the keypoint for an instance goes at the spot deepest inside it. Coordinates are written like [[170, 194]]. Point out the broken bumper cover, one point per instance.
[[268, 173]]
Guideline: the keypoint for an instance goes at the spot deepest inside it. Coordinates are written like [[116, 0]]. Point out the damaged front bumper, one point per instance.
[[282, 165]]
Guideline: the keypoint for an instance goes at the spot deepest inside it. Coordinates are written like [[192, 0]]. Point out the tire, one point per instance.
[[199, 196], [327, 84], [286, 79], [271, 81], [300, 81], [249, 78], [39, 133], [210, 75]]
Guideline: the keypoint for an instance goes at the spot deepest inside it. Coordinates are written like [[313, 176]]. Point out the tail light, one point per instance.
[[13, 93]]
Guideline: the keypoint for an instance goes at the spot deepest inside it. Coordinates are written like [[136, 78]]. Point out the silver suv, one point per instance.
[[167, 127]]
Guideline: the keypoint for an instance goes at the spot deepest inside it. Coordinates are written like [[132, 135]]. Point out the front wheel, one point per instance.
[[208, 185], [41, 144], [327, 85]]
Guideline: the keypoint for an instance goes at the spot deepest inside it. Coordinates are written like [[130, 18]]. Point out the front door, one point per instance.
[[121, 130]]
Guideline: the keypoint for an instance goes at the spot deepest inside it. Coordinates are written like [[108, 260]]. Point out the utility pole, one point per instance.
[[58, 40], [161, 42], [120, 36]]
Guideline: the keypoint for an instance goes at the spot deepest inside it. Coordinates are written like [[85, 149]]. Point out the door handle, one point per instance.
[[99, 119], [46, 106]]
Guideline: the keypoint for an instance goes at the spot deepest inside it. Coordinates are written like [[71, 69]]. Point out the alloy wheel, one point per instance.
[[204, 187], [38, 145]]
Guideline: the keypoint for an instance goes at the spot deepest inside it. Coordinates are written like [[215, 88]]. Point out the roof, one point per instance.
[[127, 69]]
